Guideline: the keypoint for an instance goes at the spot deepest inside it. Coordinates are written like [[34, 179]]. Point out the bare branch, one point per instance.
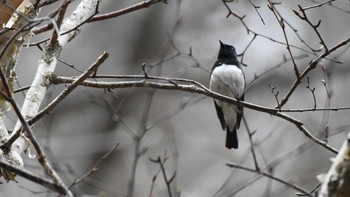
[[95, 166], [304, 17], [41, 155], [196, 88], [71, 87], [59, 19], [271, 177], [167, 180], [154, 182], [230, 12], [281, 63], [245, 50], [312, 65], [132, 8], [318, 5], [312, 90], [115, 14], [275, 93], [32, 177], [257, 11], [281, 22], [250, 135]]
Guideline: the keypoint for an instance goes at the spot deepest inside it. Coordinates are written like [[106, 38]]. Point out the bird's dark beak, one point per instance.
[[221, 44]]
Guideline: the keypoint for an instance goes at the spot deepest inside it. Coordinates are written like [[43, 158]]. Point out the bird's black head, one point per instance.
[[227, 51]]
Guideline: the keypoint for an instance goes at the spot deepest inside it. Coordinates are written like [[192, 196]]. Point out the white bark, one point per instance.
[[8, 63], [337, 180], [47, 65]]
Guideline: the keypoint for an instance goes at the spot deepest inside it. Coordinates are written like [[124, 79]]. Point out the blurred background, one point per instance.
[[181, 39]]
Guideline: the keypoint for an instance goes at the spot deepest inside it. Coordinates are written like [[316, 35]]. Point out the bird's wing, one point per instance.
[[221, 116]]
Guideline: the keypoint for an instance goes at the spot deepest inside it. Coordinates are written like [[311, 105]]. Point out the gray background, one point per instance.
[[87, 124]]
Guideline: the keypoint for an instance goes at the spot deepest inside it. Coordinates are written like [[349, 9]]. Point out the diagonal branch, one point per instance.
[[32, 177], [37, 91], [282, 24], [304, 17], [71, 87], [311, 66], [94, 168], [60, 97], [271, 177]]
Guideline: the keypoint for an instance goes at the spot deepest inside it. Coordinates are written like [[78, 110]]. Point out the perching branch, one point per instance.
[[192, 87]]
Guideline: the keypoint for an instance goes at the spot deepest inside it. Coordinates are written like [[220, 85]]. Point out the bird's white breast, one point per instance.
[[228, 80]]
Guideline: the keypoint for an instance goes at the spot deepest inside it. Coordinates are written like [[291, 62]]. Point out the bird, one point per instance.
[[227, 78]]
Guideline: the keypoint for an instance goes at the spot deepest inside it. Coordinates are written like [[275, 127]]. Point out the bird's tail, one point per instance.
[[231, 138]]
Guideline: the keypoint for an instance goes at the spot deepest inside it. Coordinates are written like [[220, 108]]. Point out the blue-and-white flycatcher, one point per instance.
[[227, 78]]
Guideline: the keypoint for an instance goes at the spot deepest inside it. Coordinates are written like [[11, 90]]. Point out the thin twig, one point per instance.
[[30, 176], [281, 23], [250, 135], [325, 118], [154, 182], [318, 5], [60, 186], [271, 177], [59, 19], [106, 16], [167, 180], [249, 30], [296, 33], [304, 17], [21, 89], [310, 67], [70, 65], [172, 112], [257, 11], [281, 63], [230, 12], [315, 110], [312, 90], [95, 166], [148, 103], [70, 88], [246, 48], [275, 94], [138, 152], [246, 185]]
